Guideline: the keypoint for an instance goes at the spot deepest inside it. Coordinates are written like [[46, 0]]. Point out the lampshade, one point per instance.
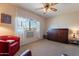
[[73, 33]]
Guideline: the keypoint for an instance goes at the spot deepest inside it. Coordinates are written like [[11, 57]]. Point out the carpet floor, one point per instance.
[[50, 48]]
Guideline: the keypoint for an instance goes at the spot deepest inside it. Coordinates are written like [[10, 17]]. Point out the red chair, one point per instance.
[[9, 48]]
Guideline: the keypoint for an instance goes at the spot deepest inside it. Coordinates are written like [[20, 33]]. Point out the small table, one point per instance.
[[74, 42]]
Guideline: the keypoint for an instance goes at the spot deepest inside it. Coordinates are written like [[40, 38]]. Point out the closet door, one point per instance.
[[60, 35], [52, 35]]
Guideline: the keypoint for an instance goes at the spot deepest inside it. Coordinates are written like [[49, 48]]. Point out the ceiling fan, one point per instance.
[[47, 7]]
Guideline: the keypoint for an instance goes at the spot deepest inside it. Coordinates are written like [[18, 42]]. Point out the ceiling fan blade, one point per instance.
[[54, 9], [45, 4], [45, 11], [39, 8]]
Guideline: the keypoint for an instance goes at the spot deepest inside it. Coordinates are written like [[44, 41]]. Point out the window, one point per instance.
[[35, 25], [27, 24]]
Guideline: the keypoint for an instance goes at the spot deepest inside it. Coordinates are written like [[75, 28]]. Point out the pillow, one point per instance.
[[10, 41]]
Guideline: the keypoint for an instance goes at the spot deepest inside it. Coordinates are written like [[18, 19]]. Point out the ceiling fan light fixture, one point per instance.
[[48, 7]]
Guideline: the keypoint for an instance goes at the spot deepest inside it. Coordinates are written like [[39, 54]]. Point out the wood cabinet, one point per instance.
[[59, 35]]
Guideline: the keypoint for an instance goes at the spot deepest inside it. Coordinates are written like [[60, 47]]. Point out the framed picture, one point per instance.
[[5, 18]]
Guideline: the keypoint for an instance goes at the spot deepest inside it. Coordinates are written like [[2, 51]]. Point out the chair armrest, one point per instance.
[[4, 47]]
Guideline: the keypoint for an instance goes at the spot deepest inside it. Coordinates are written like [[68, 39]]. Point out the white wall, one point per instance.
[[69, 20]]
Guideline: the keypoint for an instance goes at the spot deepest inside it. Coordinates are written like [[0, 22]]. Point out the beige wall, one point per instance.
[[69, 20], [14, 11], [7, 29]]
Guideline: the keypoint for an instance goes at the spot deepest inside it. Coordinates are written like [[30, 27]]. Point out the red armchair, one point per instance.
[[9, 48]]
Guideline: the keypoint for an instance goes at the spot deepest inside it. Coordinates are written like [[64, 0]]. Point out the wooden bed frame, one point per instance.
[[59, 35]]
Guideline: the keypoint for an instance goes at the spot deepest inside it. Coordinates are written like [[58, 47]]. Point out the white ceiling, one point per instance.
[[62, 8]]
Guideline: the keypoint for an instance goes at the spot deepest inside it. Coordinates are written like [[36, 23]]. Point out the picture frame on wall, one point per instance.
[[5, 18]]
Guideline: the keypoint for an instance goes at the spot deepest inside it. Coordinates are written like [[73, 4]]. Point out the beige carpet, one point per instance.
[[49, 48]]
